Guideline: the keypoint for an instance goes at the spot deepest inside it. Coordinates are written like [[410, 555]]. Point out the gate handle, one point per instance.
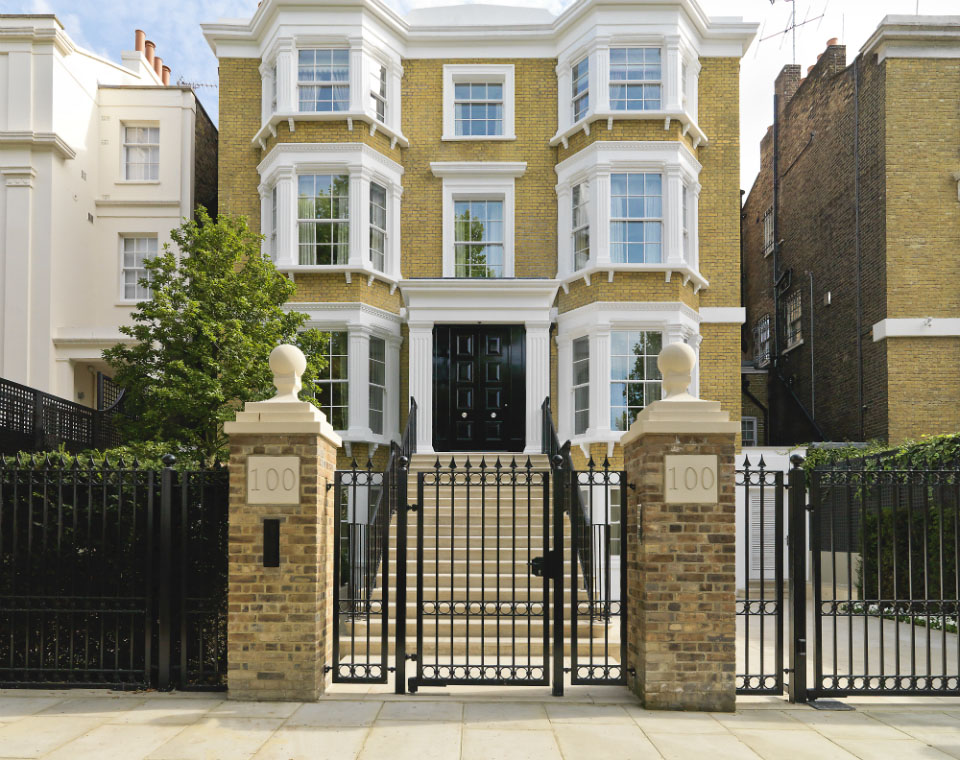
[[545, 566]]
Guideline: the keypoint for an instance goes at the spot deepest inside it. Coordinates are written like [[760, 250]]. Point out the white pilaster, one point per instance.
[[287, 100], [287, 249], [17, 318], [538, 379], [357, 90], [391, 420], [600, 78], [564, 99], [394, 195], [564, 229], [266, 90], [600, 218], [358, 374], [672, 66], [673, 215], [563, 404], [359, 211], [600, 382], [421, 381]]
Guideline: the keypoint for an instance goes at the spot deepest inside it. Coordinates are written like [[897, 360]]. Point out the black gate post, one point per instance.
[[400, 647], [166, 572], [560, 485], [797, 556]]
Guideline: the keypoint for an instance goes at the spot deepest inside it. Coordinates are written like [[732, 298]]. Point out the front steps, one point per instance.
[[478, 541]]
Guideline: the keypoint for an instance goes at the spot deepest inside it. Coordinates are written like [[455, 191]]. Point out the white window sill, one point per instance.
[[137, 182], [592, 270], [686, 120], [478, 138], [792, 347], [130, 303], [347, 270], [269, 129]]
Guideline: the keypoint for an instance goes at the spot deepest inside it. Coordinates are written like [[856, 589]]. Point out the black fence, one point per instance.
[[31, 420], [112, 575]]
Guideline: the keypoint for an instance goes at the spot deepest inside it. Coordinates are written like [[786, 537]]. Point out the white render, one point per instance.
[[64, 203]]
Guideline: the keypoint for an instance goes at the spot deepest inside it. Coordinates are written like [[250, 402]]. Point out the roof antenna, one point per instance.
[[793, 25]]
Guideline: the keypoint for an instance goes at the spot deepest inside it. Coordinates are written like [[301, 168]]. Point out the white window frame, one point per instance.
[[478, 180], [677, 323], [125, 145], [454, 74], [273, 222], [488, 239], [381, 96], [575, 96], [594, 165], [575, 386], [580, 222], [373, 227], [656, 222], [382, 387], [660, 82], [341, 221], [340, 381], [348, 84], [749, 422], [628, 382], [364, 165], [122, 238]]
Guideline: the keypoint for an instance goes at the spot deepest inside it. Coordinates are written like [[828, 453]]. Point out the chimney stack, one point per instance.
[[166, 75], [148, 51], [140, 37], [809, 69], [158, 65], [786, 84]]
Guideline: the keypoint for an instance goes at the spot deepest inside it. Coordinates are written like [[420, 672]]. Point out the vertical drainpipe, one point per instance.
[[813, 376], [773, 422], [856, 237]]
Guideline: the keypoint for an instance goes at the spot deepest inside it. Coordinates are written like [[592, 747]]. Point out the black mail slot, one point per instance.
[[271, 543]]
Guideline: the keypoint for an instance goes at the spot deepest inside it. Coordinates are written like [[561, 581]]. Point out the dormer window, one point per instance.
[[581, 88], [635, 79], [323, 80]]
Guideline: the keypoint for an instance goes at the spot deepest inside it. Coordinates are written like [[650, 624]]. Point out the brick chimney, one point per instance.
[[786, 84]]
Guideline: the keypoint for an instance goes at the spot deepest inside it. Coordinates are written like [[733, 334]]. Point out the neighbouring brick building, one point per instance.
[[489, 206], [851, 243]]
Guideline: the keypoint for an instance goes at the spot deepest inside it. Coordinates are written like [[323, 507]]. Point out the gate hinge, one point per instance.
[[412, 657], [413, 507], [548, 565]]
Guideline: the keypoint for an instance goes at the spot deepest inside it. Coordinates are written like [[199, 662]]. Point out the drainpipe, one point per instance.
[[856, 237], [813, 377]]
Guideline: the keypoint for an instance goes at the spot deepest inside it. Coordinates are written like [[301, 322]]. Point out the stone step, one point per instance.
[[490, 647], [472, 626]]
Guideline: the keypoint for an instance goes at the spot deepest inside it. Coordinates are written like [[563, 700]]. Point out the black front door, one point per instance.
[[479, 402]]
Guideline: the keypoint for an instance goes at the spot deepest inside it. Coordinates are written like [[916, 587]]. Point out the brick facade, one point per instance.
[[887, 131]]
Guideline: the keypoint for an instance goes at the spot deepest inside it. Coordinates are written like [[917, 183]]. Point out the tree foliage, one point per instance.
[[200, 345]]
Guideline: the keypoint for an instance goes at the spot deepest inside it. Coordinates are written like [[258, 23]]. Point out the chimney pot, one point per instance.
[[166, 75], [158, 64], [809, 69], [140, 38], [831, 42], [820, 56], [148, 51]]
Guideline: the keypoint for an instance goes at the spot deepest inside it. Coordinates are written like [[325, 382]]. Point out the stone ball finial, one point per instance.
[[287, 364], [676, 362]]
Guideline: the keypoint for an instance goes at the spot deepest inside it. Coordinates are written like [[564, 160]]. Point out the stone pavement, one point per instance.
[[478, 724]]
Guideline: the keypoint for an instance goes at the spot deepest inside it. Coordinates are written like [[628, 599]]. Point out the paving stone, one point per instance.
[[413, 709], [560, 712], [330, 713], [776, 744], [505, 716], [712, 746], [34, 736], [415, 740], [884, 749], [604, 742], [493, 744], [213, 739], [313, 743], [131, 742]]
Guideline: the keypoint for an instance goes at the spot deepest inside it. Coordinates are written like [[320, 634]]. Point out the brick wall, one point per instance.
[[240, 88], [205, 162]]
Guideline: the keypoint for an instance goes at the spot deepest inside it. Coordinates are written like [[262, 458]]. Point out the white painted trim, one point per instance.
[[478, 73], [723, 315], [915, 37], [921, 327], [493, 180], [501, 301]]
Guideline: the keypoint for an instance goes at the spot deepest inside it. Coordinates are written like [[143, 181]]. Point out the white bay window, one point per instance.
[[332, 207], [628, 206]]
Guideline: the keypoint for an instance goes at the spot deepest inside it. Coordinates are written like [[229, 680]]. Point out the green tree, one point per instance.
[[201, 343]]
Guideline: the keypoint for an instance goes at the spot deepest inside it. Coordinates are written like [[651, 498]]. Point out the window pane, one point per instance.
[[634, 378]]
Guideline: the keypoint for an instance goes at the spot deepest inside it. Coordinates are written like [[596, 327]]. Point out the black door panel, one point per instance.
[[479, 401]]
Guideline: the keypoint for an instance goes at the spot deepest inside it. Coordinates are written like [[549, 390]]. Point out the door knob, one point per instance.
[[493, 415], [463, 414]]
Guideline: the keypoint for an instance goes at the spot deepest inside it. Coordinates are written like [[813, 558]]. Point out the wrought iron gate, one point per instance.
[[482, 609]]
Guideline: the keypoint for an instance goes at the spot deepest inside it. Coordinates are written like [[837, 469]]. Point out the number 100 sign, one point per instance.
[[690, 479], [273, 480]]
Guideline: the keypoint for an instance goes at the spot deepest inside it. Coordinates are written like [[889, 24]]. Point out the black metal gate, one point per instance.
[[884, 544], [760, 607], [112, 575], [483, 535]]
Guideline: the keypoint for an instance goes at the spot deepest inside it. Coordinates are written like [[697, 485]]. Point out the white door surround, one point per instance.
[[484, 302]]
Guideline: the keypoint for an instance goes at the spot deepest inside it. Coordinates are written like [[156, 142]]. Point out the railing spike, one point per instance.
[[483, 463], [353, 464], [369, 464], [513, 463], [121, 464], [76, 463], [590, 464], [498, 465], [453, 463], [136, 463], [46, 460], [106, 461], [529, 464], [746, 462], [19, 459], [467, 463], [606, 463], [761, 464]]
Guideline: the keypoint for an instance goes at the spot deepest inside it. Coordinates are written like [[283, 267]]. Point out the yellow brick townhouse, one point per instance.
[[488, 206]]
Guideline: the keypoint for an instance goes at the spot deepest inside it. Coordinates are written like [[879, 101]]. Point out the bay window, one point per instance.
[[635, 380], [323, 80], [581, 227], [378, 383], [636, 213], [323, 211], [581, 385], [378, 91], [378, 225], [635, 79], [581, 88], [332, 385]]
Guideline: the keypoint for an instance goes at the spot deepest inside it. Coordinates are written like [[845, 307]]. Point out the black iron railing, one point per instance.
[[31, 420], [112, 574]]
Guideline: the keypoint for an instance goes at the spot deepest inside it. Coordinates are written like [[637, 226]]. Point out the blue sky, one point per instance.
[[106, 27]]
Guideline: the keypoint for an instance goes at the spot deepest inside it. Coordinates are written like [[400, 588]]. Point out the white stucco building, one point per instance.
[[98, 162]]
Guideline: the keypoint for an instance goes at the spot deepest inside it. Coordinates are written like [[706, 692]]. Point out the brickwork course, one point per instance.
[[681, 580], [280, 618], [884, 132], [536, 200]]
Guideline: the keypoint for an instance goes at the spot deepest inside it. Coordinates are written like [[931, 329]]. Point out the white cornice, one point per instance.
[[334, 153], [720, 35], [917, 327], [38, 141], [616, 153], [915, 37], [736, 315], [612, 313], [478, 168], [348, 313], [503, 300]]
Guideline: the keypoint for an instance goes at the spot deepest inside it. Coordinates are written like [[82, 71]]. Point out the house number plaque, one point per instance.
[[273, 480], [690, 479]]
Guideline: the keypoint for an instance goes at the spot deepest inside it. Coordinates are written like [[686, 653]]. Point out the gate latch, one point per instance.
[[545, 566]]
